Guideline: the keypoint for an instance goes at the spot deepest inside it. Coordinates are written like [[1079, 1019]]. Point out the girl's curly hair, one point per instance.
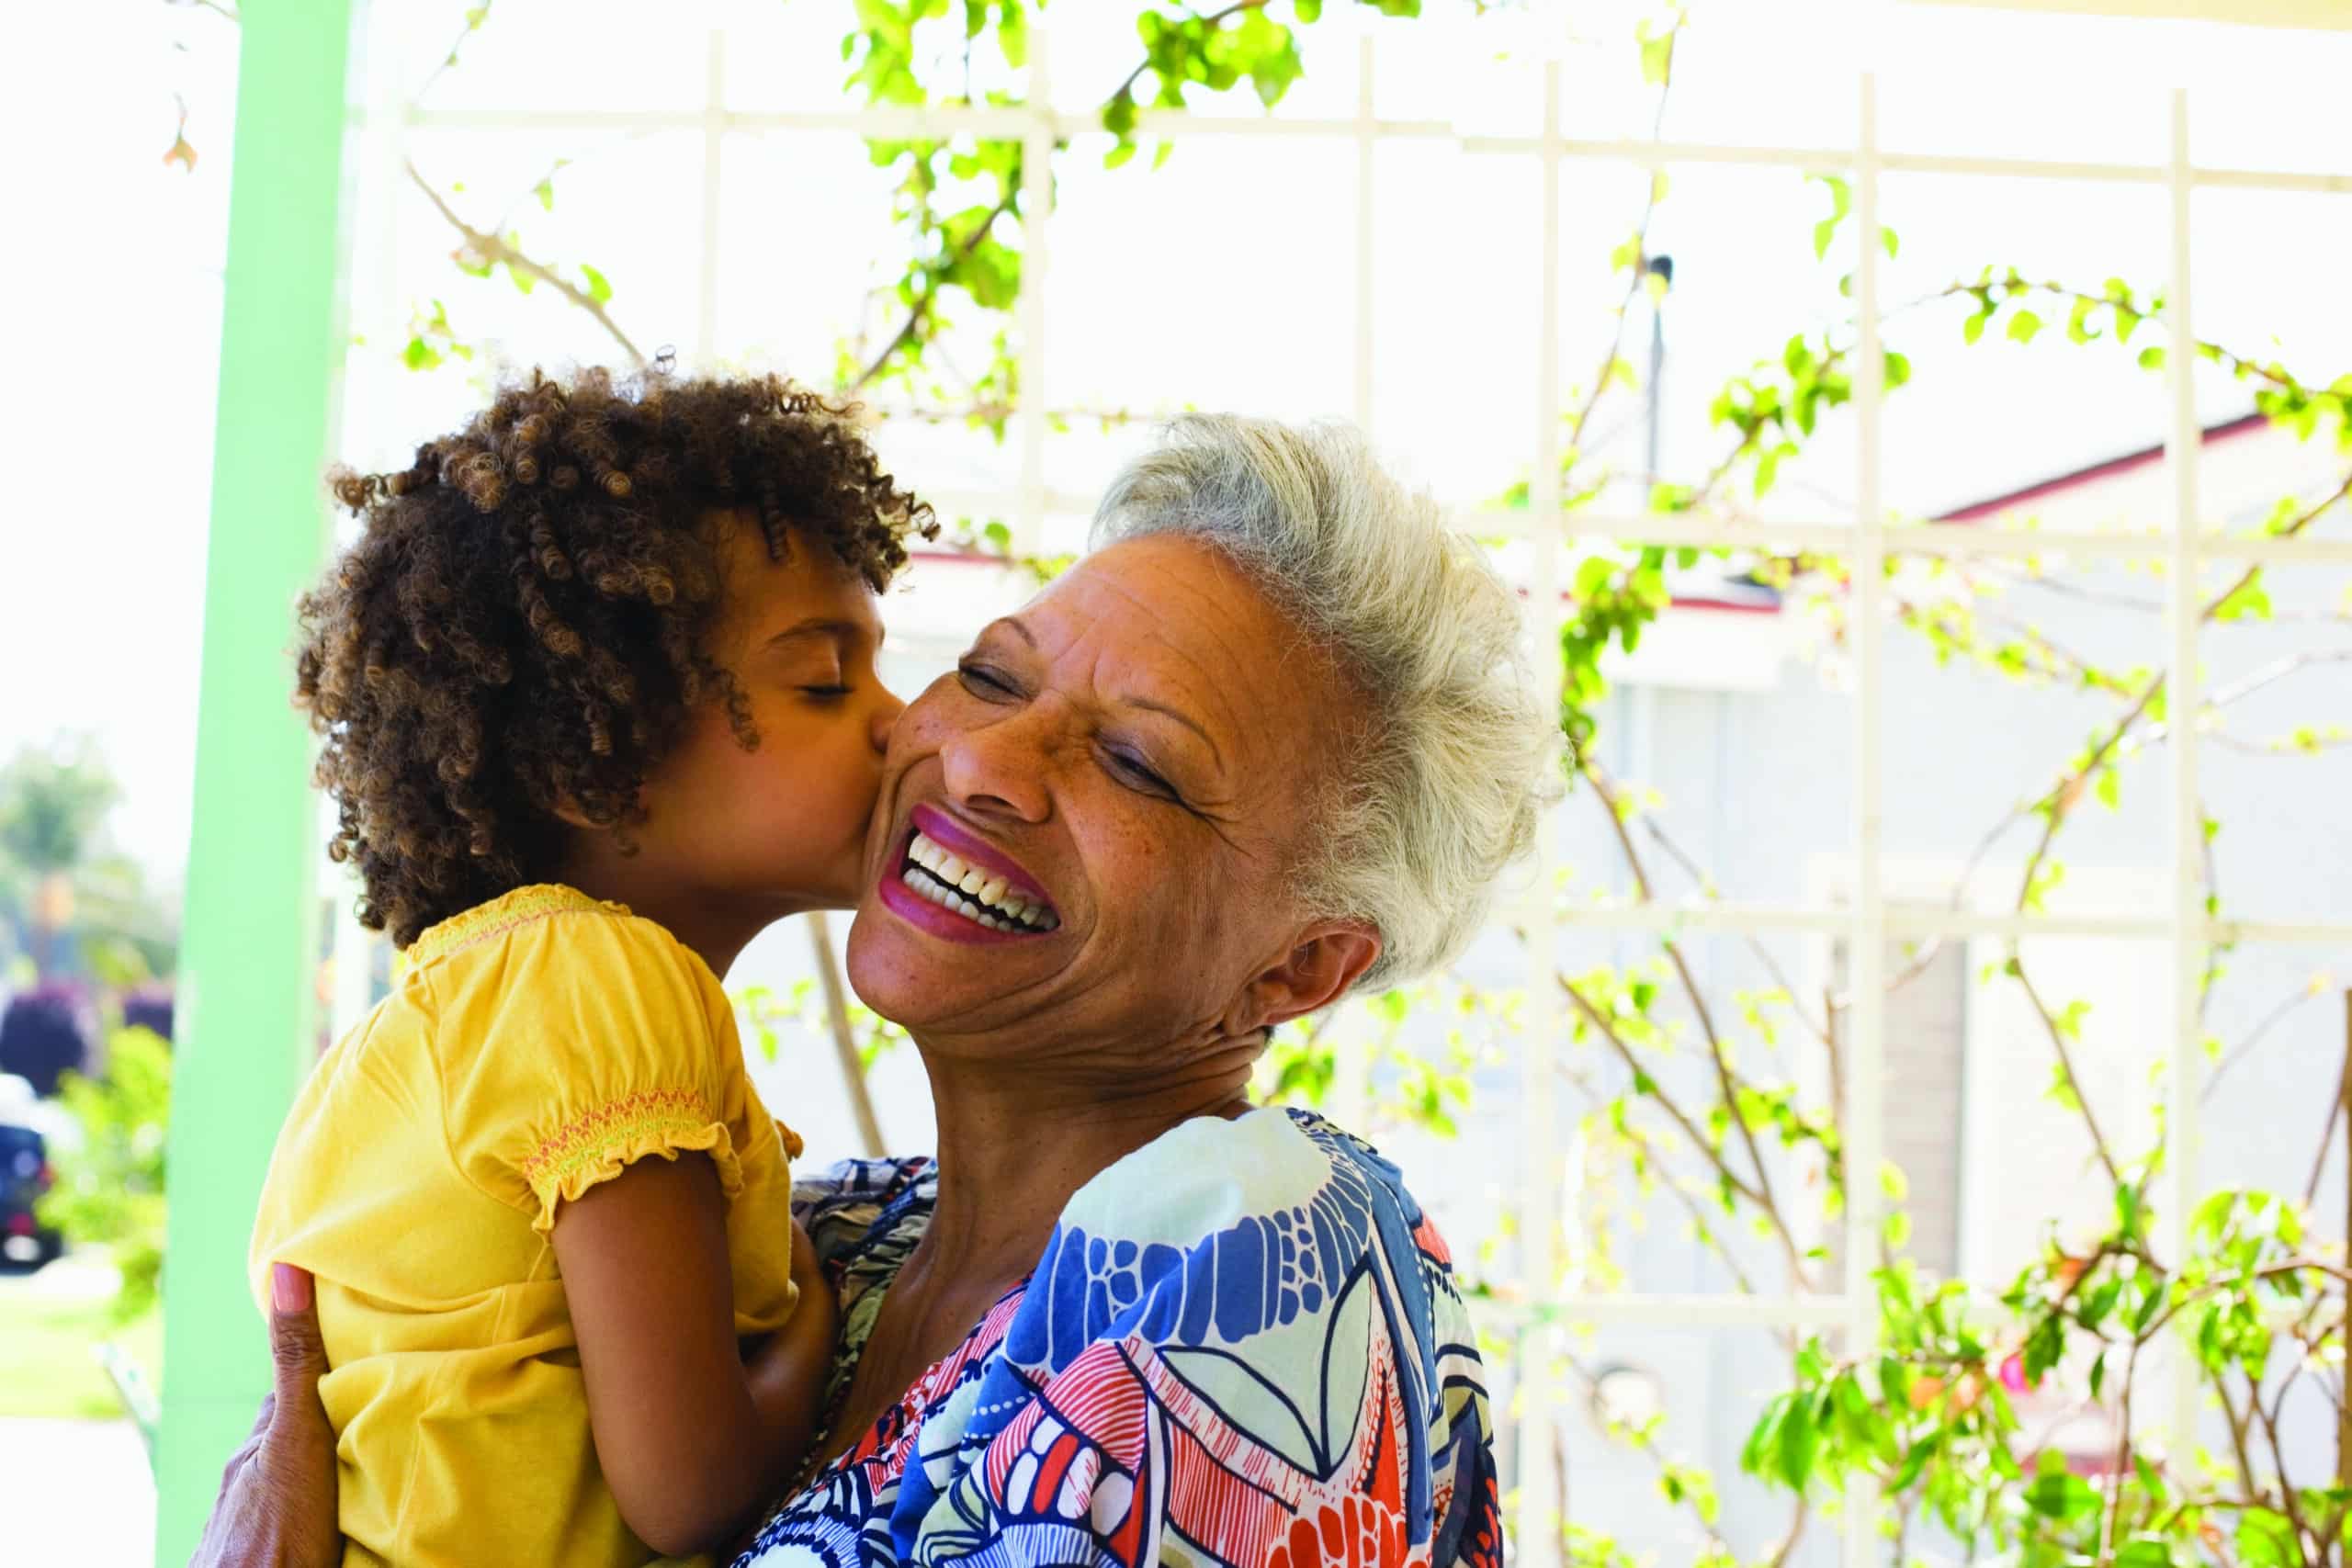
[[524, 619]]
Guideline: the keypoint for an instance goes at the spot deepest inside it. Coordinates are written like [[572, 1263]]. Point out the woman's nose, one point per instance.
[[999, 768]]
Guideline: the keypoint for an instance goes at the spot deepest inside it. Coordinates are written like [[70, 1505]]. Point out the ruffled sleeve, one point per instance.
[[577, 1042]]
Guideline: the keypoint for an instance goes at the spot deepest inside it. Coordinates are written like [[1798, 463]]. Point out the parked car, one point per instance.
[[25, 1175]]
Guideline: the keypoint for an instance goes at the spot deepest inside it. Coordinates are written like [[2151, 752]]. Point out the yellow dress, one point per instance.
[[533, 1047]]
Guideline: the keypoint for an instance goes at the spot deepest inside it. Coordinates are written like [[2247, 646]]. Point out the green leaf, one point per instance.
[[2152, 357], [2023, 325], [2060, 1496], [1307, 10], [599, 289], [1657, 59], [1120, 155], [1915, 1460], [420, 355], [2249, 600], [1764, 1437], [1012, 36], [2078, 321], [545, 191], [2266, 1539], [1119, 115], [1799, 1443], [1886, 237]]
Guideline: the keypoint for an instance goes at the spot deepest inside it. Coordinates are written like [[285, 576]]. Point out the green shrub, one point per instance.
[[109, 1192]]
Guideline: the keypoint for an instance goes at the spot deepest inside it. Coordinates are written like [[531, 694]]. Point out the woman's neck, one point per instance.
[[1012, 1149]]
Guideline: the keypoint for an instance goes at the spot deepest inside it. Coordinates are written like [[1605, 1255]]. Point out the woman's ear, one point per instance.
[[1321, 964]]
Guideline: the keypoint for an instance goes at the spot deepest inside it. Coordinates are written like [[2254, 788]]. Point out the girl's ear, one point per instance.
[[568, 812]]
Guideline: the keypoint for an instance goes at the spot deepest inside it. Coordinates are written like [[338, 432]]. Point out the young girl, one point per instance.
[[598, 696]]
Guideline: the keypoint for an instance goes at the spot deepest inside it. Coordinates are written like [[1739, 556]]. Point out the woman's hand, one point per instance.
[[276, 1508]]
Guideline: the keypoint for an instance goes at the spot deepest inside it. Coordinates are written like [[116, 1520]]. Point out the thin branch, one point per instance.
[[1606, 793], [474, 19], [493, 251], [1796, 1532], [1212, 22], [2286, 746], [1700, 1220], [2066, 1063], [2238, 1425], [1639, 266], [926, 302], [1646, 1445], [1763, 955], [2287, 1500], [2270, 1020], [920, 310], [990, 413], [1681, 1118], [2107, 1541], [2024, 577], [2326, 1143], [2276, 670], [845, 1051]]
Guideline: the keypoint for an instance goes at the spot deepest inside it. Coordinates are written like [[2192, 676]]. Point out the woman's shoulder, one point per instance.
[[1231, 1231], [1211, 1173]]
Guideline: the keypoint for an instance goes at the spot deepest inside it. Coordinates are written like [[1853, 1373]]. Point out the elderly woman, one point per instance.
[[1266, 743]]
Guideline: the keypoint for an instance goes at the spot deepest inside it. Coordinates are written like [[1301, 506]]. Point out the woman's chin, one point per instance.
[[913, 976], [892, 971]]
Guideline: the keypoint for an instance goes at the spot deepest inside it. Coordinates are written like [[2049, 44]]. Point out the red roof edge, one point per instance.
[[1992, 506]]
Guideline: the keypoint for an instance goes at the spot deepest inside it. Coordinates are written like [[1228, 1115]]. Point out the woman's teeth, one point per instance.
[[977, 895]]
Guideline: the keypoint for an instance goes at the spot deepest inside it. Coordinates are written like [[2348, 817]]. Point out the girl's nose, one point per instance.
[[886, 716]]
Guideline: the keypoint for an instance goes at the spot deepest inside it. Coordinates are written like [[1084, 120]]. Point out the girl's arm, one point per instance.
[[691, 1442]]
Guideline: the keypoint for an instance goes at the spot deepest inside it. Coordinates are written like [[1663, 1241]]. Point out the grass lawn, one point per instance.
[[46, 1365]]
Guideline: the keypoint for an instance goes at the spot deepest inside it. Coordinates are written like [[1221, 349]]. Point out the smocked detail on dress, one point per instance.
[[600, 1145], [521, 907]]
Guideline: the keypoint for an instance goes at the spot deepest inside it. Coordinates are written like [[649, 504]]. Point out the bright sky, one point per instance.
[[1224, 279]]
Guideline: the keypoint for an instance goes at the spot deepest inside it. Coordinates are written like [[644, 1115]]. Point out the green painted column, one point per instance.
[[251, 937]]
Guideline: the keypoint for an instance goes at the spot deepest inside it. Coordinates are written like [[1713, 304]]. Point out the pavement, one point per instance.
[[73, 1493]]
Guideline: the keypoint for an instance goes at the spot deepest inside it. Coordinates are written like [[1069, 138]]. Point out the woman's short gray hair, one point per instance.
[[1456, 757]]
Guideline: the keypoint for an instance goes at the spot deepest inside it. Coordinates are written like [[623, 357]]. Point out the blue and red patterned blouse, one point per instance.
[[1243, 1346]]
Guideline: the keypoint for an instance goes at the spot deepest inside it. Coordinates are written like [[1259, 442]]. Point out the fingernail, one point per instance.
[[289, 1287]]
